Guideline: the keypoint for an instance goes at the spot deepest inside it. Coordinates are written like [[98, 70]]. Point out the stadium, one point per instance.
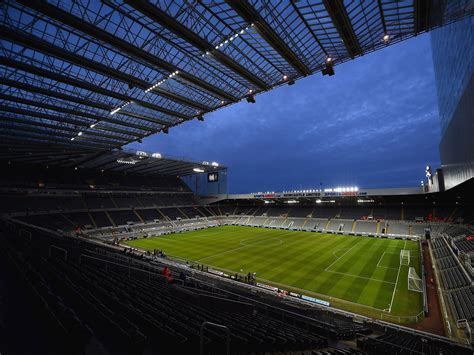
[[111, 250]]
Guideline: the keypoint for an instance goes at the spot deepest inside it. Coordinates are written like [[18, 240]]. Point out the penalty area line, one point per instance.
[[396, 282]]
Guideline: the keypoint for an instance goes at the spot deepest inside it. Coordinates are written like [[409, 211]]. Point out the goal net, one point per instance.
[[414, 281], [404, 257]]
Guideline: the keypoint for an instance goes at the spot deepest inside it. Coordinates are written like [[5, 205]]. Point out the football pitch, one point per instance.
[[358, 274]]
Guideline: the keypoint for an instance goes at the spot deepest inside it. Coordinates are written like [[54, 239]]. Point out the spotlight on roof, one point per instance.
[[251, 99], [285, 77], [329, 70], [198, 170], [386, 38]]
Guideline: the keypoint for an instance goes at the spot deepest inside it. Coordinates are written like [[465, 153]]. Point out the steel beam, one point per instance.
[[82, 25], [161, 17], [61, 109], [422, 15], [250, 15], [91, 87], [342, 22], [34, 130], [61, 119], [39, 44], [79, 100], [64, 128]]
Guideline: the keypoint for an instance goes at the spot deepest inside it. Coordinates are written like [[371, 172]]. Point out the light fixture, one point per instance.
[[285, 77], [386, 38], [120, 107], [214, 164], [127, 161], [93, 125], [73, 138], [163, 80], [198, 170], [329, 70], [79, 134]]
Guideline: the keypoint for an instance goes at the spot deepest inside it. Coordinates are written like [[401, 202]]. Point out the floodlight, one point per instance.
[[214, 164], [386, 38], [79, 134], [198, 170]]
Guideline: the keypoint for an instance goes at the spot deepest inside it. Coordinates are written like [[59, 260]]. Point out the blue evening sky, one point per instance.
[[373, 124]]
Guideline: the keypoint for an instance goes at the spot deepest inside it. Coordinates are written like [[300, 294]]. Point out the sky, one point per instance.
[[374, 124]]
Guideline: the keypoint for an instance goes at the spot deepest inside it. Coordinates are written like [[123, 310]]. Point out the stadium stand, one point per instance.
[[455, 280]]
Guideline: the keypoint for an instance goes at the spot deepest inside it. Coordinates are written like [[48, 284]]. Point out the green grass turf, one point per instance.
[[358, 274]]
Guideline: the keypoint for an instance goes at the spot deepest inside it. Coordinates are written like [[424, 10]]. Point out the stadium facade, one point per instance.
[[453, 58]]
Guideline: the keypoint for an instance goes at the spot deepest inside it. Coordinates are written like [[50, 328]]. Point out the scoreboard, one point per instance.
[[213, 177]]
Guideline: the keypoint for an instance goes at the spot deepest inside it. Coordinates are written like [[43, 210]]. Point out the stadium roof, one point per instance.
[[117, 160], [102, 74]]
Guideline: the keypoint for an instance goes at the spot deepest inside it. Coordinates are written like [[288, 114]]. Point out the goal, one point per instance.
[[404, 257], [414, 281]]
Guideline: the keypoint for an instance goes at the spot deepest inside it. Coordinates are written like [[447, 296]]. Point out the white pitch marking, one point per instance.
[[361, 277], [396, 282], [385, 267]]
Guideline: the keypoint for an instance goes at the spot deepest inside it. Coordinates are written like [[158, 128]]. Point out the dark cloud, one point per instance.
[[373, 124]]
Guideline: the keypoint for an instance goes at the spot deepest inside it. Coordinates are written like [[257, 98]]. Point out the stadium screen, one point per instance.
[[212, 177]]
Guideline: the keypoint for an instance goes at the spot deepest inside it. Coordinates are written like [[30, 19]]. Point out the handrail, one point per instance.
[[215, 325]]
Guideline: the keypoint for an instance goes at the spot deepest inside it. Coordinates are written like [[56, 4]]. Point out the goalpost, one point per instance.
[[404, 257], [414, 281]]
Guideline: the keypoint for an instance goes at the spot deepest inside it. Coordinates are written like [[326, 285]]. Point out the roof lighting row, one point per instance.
[[162, 81], [343, 189], [229, 39], [123, 161], [211, 164], [114, 111], [78, 135], [302, 191]]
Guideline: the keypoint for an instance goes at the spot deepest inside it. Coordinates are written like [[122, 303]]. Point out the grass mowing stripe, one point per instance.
[[298, 259]]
